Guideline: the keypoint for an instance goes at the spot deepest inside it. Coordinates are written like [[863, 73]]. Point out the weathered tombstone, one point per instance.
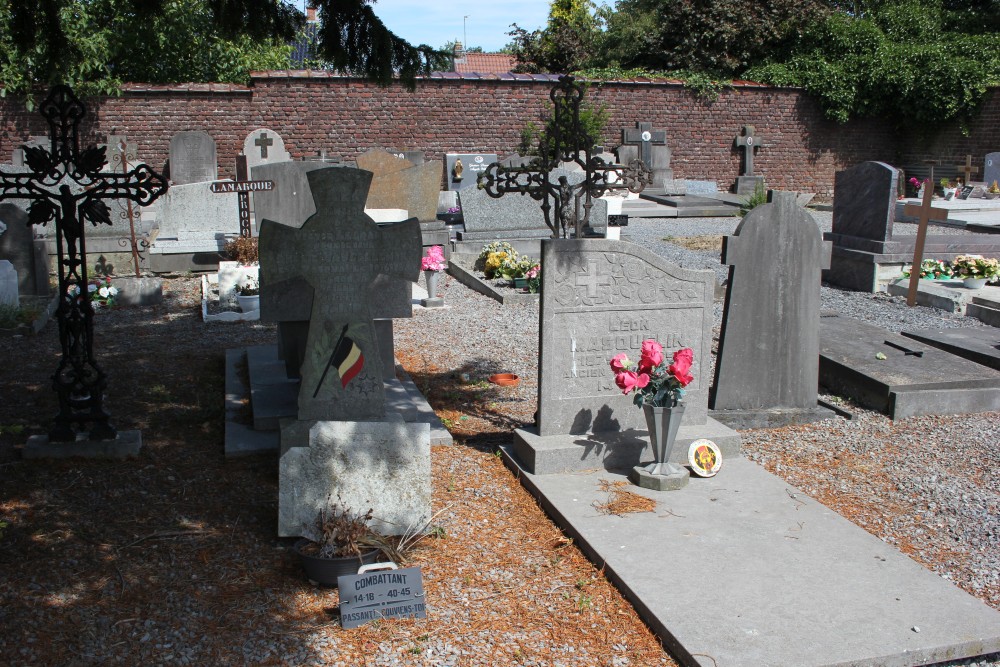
[[18, 245], [400, 184], [329, 265], [192, 158], [864, 203], [992, 168], [644, 143], [195, 224], [767, 368], [747, 182], [413, 157], [264, 146], [600, 298], [462, 169], [8, 284]]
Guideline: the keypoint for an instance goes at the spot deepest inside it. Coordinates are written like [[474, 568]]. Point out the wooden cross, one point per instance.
[[645, 137], [242, 186], [748, 142], [262, 142], [926, 213], [967, 169], [67, 185]]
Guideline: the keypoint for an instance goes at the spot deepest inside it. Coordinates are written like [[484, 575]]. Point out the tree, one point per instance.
[[96, 44], [567, 43]]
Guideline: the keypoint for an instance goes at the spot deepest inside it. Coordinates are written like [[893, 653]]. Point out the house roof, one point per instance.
[[485, 63]]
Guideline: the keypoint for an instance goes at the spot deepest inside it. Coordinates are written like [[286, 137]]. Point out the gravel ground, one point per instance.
[[904, 481]]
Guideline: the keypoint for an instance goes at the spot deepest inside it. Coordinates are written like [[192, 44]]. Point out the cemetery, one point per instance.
[[780, 450]]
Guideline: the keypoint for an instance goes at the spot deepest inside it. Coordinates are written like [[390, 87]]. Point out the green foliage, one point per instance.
[[568, 42], [702, 85], [758, 198]]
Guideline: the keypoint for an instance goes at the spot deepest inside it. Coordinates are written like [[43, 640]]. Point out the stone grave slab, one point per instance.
[[17, 245], [473, 164], [192, 158], [264, 146], [766, 372], [978, 344], [384, 466], [789, 583], [195, 224], [913, 379], [399, 183], [694, 206]]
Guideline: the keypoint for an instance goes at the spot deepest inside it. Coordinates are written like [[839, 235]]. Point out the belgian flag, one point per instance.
[[346, 358]]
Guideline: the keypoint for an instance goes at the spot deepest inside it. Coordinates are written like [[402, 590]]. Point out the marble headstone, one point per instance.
[[264, 146], [400, 184], [193, 158], [473, 164], [864, 201], [600, 298], [768, 359], [8, 284], [192, 218], [992, 171]]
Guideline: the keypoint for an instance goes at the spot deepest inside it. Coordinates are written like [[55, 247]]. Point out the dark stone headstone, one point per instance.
[[864, 201], [767, 368], [192, 158], [992, 171], [473, 164], [644, 143], [17, 245]]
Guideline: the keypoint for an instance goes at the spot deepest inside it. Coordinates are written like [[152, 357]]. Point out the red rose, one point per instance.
[[652, 355], [681, 367], [619, 362], [629, 380]]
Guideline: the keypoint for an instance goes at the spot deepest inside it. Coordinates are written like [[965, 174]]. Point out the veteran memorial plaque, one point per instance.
[[372, 596]]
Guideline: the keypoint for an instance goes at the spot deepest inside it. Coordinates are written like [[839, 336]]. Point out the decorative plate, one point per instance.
[[704, 457]]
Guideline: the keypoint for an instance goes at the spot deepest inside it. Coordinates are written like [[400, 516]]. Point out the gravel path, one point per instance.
[[925, 485]]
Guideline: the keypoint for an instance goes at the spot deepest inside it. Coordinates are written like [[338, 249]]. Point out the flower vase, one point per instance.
[[974, 283], [663, 424], [431, 277]]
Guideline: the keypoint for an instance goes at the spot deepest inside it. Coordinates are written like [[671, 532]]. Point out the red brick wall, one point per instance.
[[802, 151]]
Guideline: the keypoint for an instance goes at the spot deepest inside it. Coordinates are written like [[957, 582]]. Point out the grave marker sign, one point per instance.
[[243, 186]]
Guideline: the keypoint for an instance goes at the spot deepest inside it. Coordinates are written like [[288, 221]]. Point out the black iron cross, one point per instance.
[[242, 186], [645, 137], [67, 185], [262, 142], [748, 141], [566, 141]]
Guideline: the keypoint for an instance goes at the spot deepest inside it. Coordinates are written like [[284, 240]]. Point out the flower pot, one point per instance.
[[249, 303], [991, 195], [521, 283], [505, 379], [431, 278], [663, 424], [324, 571], [974, 283]]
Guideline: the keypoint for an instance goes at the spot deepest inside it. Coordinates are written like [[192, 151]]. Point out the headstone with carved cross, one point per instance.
[[749, 141], [926, 213], [264, 146], [330, 262], [644, 143], [68, 186], [967, 170]]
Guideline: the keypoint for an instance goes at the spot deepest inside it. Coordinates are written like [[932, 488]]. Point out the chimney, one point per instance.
[[459, 51], [310, 14]]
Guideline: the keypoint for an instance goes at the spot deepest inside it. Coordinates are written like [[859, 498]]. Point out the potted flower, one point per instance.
[[102, 293], [243, 249], [338, 543], [248, 294], [993, 191], [931, 268], [975, 270], [658, 387], [534, 278], [492, 256], [453, 216], [919, 186], [948, 188], [432, 263]]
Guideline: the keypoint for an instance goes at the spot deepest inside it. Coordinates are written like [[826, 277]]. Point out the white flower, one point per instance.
[[113, 291], [104, 292]]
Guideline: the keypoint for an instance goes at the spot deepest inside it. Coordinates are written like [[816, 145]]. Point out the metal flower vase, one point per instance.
[[432, 283], [663, 424]]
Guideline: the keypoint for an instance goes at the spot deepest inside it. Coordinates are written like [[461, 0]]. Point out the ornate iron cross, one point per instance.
[[566, 141], [67, 185]]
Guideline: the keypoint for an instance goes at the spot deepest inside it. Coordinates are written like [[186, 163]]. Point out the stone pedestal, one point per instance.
[[672, 482], [125, 446]]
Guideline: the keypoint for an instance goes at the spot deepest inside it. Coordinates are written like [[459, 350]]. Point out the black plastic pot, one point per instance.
[[324, 571]]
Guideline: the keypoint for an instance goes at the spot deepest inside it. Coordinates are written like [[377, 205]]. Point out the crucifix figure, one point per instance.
[[67, 185], [566, 142], [967, 169], [242, 186], [645, 137], [748, 141], [263, 141], [926, 212]]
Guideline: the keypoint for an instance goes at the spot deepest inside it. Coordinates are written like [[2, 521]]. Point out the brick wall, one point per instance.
[[802, 151]]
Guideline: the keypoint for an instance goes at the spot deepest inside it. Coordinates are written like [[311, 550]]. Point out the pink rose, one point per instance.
[[681, 367], [629, 380], [619, 362], [652, 355]]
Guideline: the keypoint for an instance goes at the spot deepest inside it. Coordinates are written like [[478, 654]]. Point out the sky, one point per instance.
[[435, 22]]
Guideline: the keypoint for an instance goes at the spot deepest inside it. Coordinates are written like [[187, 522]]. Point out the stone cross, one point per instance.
[[263, 141], [645, 137], [748, 141], [243, 186], [967, 169], [67, 185], [926, 213]]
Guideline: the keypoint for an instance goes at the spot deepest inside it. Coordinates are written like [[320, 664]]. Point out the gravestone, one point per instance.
[[8, 284], [472, 164], [398, 183], [192, 158], [866, 252], [195, 223], [749, 141], [17, 155], [264, 146], [767, 367], [18, 245], [518, 216], [328, 266], [992, 168], [600, 298], [413, 157], [644, 143]]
